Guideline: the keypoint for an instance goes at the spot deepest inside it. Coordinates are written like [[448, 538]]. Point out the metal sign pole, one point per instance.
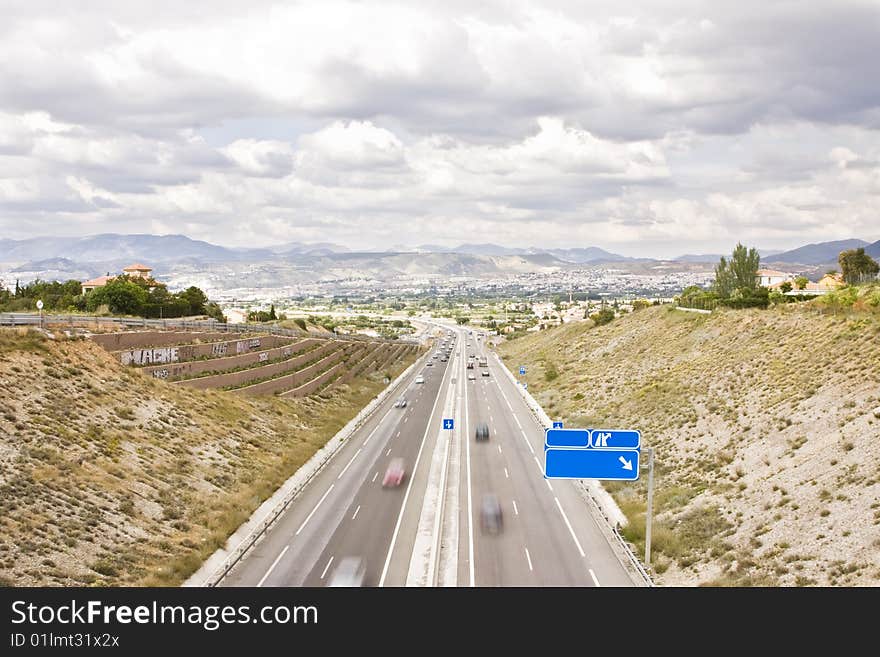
[[650, 509]]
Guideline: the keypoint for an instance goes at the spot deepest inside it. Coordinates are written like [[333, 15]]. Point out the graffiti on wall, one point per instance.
[[161, 374], [219, 349], [150, 356], [246, 345], [264, 356]]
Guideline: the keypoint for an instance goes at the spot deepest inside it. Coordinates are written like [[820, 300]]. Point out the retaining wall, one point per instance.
[[171, 371]]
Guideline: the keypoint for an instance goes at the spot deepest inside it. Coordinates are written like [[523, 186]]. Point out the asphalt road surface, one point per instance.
[[429, 530]]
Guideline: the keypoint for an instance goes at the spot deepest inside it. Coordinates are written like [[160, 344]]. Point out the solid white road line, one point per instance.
[[326, 568], [309, 517], [374, 478], [528, 558], [593, 575], [406, 494], [272, 567], [515, 510], [570, 528], [356, 512], [470, 509], [549, 485], [538, 463], [349, 463]]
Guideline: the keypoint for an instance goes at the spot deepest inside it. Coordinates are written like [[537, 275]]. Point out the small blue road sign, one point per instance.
[[608, 464], [448, 423], [616, 439], [567, 438], [557, 425], [522, 370]]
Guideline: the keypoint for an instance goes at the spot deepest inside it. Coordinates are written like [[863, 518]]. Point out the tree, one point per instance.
[[195, 298], [801, 282], [857, 266], [744, 264], [638, 304], [724, 280], [462, 319], [785, 287], [272, 315], [120, 295]]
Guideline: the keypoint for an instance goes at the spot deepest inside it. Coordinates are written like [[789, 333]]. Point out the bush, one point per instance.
[[602, 317]]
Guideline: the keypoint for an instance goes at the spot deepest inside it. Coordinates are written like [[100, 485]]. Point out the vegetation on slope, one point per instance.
[[765, 424], [109, 477]]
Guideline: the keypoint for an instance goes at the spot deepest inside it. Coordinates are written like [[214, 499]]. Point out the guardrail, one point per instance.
[[337, 442], [543, 420], [30, 319]]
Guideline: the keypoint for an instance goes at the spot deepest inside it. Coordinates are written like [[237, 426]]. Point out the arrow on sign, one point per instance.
[[627, 464]]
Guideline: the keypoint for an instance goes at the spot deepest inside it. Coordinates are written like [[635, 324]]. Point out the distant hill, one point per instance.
[[873, 250], [587, 255], [817, 254], [698, 257]]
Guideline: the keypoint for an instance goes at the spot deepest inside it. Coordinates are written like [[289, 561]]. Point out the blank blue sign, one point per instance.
[[608, 464], [567, 438]]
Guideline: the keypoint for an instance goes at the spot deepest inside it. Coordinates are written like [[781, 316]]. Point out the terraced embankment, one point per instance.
[[262, 364]]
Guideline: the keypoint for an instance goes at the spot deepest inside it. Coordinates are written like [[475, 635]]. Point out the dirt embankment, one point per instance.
[[110, 477], [766, 426]]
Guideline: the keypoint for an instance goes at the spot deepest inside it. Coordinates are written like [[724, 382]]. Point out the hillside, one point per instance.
[[765, 424], [109, 476]]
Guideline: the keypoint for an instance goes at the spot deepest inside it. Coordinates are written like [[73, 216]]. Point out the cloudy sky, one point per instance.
[[646, 127]]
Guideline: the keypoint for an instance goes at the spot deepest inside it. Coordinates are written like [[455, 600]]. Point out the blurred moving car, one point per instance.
[[420, 379], [481, 432], [491, 517], [400, 403], [350, 572], [472, 376], [394, 474], [485, 373], [429, 364]]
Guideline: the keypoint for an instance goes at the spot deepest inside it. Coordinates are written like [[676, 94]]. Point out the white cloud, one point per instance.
[[645, 126]]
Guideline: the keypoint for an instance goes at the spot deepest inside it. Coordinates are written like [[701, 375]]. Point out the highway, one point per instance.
[[428, 530]]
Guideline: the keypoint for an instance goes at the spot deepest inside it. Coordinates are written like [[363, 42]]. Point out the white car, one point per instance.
[[350, 572], [420, 379], [471, 376], [400, 403]]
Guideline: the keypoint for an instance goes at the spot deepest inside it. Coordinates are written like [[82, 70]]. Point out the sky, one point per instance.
[[647, 127]]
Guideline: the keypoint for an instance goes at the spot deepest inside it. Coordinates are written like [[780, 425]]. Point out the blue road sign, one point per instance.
[[522, 370], [608, 464], [616, 439], [448, 423], [557, 425], [567, 437]]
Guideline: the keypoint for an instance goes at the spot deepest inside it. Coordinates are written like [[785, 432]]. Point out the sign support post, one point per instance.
[[650, 510]]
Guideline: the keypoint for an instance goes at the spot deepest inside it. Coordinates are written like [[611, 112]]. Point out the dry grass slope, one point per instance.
[[109, 477], [767, 431]]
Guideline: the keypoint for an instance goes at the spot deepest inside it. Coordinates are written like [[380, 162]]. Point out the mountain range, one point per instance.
[[79, 257]]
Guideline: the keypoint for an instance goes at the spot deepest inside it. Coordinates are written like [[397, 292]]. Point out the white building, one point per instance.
[[770, 277]]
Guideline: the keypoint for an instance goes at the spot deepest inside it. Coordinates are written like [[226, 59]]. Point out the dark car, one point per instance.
[[481, 432], [491, 517], [485, 373]]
